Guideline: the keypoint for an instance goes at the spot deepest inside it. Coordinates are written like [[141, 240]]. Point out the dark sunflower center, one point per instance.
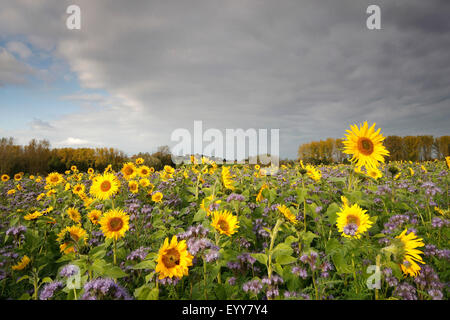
[[223, 225], [74, 237], [105, 186], [171, 258], [115, 224], [365, 146], [54, 179], [352, 219], [144, 171], [128, 171]]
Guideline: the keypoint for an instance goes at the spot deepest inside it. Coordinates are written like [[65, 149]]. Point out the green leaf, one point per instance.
[[285, 259], [341, 264], [200, 215], [282, 249], [113, 272], [25, 296], [153, 294], [22, 278], [308, 237], [46, 280], [260, 257], [332, 246], [278, 269], [301, 194], [146, 264]]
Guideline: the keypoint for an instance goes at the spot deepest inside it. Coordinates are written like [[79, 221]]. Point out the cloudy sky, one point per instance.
[[137, 70]]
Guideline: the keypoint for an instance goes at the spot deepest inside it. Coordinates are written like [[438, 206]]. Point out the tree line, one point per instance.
[[38, 158], [412, 148]]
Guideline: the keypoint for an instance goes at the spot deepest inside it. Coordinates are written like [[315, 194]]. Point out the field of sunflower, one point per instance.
[[369, 230]]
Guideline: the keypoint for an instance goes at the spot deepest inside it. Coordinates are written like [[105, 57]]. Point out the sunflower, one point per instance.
[[260, 197], [73, 214], [54, 179], [374, 173], [226, 178], [157, 196], [129, 170], [313, 173], [90, 171], [410, 254], [144, 171], [144, 183], [105, 186], [411, 171], [173, 259], [169, 169], [225, 222], [74, 168], [287, 214], [22, 264], [68, 236], [139, 161], [94, 215], [133, 186], [5, 177], [33, 216], [447, 160], [365, 146], [78, 188], [18, 176], [114, 223], [352, 221], [11, 192]]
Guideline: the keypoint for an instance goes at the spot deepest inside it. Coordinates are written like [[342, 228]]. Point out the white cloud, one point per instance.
[[74, 142]]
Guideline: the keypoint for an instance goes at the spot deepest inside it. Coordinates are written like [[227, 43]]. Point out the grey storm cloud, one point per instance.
[[309, 68]]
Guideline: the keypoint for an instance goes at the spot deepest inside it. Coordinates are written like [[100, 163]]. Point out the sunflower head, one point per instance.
[[129, 170], [352, 221], [225, 222], [114, 223], [5, 177], [105, 186], [226, 178], [139, 161], [287, 214], [144, 171], [74, 214], [173, 259], [374, 173], [78, 189], [133, 186], [69, 236], [157, 196], [54, 179], [365, 145], [410, 255], [23, 263], [94, 215]]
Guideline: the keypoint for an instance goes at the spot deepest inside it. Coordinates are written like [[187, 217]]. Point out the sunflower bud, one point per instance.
[[302, 171]]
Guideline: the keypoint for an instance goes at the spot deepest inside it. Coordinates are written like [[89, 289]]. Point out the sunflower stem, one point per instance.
[[114, 251], [204, 278], [218, 263]]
